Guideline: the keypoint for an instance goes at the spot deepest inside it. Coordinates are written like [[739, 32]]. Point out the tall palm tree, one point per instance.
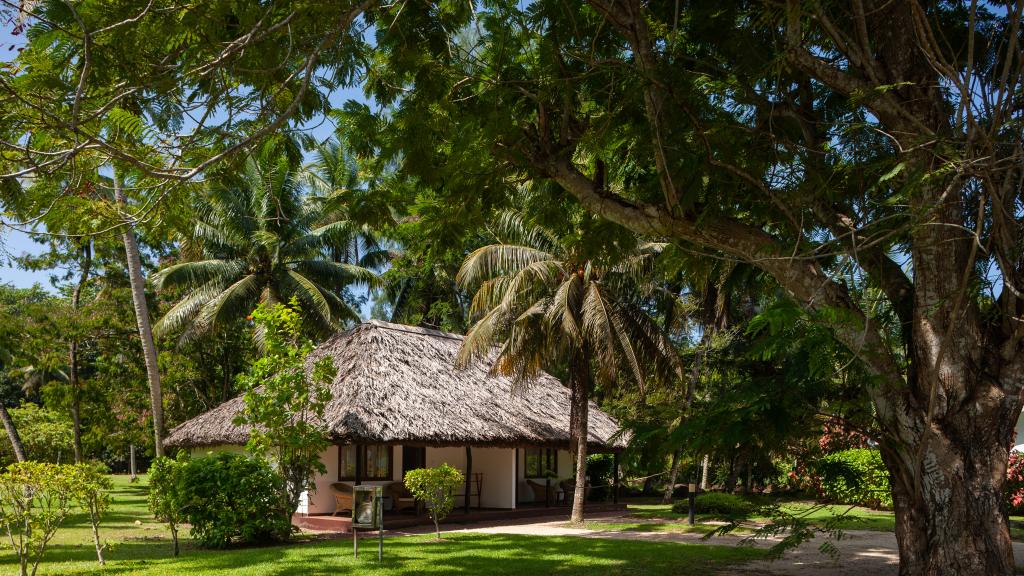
[[258, 238], [545, 302]]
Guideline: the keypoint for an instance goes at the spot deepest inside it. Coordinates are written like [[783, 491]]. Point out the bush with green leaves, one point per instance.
[[35, 498], [855, 476], [164, 500], [284, 404], [226, 497], [601, 475], [435, 487], [91, 485], [718, 504], [46, 434]]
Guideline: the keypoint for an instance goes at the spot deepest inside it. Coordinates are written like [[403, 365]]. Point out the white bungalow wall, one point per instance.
[[496, 464], [499, 469]]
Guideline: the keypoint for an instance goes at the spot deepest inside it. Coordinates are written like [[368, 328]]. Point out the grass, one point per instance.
[[857, 518], [141, 546], [698, 528]]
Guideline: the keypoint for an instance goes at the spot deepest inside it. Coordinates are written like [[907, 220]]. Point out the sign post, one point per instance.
[[368, 514], [691, 494]]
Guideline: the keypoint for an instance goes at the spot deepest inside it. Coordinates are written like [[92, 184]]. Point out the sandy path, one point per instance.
[[861, 552]]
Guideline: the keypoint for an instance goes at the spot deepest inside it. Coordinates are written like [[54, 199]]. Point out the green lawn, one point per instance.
[[858, 518], [654, 517], [699, 528], [145, 549]]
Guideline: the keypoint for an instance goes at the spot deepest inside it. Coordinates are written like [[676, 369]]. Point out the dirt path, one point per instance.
[[861, 552]]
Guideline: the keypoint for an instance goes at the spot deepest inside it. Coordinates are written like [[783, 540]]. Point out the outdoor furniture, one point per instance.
[[401, 498], [569, 488], [543, 491], [342, 496]]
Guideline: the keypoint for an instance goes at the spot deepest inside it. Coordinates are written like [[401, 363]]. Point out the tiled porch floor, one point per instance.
[[342, 523]]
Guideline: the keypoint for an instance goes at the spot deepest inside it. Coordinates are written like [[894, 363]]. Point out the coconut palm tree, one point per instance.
[[259, 238], [348, 198], [545, 302]]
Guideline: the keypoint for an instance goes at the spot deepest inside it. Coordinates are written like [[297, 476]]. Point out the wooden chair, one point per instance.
[[542, 492], [401, 498], [343, 499]]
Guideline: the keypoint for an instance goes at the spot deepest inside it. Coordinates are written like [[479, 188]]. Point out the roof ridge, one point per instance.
[[413, 329]]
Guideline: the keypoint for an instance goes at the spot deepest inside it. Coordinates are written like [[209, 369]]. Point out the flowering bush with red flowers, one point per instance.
[[1015, 483], [836, 437]]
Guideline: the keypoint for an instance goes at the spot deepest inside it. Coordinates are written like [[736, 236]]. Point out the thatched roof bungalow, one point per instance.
[[399, 402]]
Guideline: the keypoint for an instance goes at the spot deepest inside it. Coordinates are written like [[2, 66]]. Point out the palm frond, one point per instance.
[[599, 331], [483, 336], [511, 228], [194, 274], [564, 309], [309, 293], [236, 301], [186, 310], [497, 259]]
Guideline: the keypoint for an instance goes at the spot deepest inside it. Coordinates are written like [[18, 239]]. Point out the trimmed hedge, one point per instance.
[[855, 476], [718, 503]]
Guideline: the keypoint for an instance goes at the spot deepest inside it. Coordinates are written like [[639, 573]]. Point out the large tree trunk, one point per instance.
[[73, 382], [12, 434], [948, 488], [579, 433], [138, 284]]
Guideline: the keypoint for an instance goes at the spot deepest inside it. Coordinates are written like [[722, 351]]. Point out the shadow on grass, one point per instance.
[[493, 555]]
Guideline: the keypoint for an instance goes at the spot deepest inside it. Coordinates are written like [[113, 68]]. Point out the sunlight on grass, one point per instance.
[[139, 545], [858, 518]]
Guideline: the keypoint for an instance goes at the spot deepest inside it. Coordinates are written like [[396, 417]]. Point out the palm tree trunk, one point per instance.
[[76, 393], [138, 284], [12, 434], [704, 472], [580, 396]]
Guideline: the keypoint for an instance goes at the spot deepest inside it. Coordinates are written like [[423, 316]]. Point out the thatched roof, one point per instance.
[[398, 384]]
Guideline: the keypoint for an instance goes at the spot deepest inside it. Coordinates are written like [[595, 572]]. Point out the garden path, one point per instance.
[[861, 552]]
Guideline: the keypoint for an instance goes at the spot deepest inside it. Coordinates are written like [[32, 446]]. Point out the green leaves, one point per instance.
[[436, 488], [36, 498], [284, 406], [165, 500], [225, 497], [258, 236]]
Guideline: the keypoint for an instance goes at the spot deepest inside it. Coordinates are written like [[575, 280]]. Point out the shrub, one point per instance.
[[436, 488], [164, 502], [91, 486], [284, 404], [226, 497], [855, 476], [718, 503], [601, 474], [35, 498]]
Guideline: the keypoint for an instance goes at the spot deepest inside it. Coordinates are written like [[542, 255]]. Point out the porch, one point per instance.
[[342, 523], [497, 479]]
